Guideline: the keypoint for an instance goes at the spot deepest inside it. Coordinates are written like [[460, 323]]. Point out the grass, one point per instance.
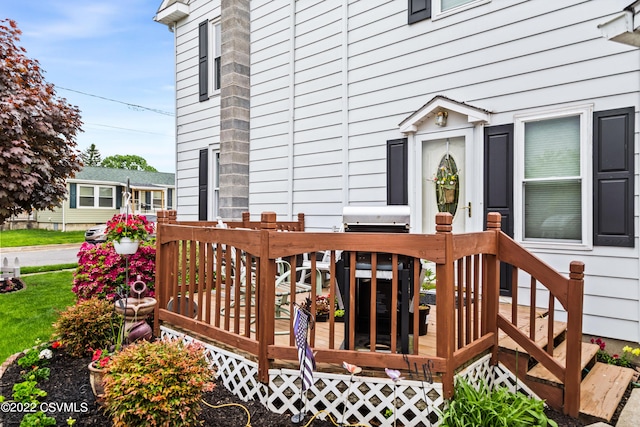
[[47, 268], [37, 237], [29, 314]]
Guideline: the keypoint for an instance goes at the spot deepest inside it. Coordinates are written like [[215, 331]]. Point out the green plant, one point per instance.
[[339, 313], [135, 227], [613, 359], [429, 280], [37, 374], [388, 413], [157, 384], [37, 419], [481, 407], [88, 325], [27, 392]]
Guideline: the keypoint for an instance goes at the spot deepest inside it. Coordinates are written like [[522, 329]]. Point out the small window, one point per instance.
[[86, 197], [443, 8], [157, 200], [552, 156], [217, 54]]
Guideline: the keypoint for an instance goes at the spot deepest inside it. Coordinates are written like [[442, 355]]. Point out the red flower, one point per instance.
[[56, 344], [96, 355], [104, 362]]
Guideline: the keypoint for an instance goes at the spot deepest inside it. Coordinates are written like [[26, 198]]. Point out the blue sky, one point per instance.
[[107, 49]]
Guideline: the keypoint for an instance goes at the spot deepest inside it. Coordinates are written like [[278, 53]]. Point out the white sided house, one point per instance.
[[310, 106]]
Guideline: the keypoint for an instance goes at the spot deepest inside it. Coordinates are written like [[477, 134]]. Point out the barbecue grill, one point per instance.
[[377, 219]]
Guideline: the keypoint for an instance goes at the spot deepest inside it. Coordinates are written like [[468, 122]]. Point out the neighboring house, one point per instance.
[[96, 194], [310, 106]]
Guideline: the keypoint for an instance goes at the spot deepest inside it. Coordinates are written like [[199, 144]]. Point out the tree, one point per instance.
[[129, 161], [91, 156], [37, 132]]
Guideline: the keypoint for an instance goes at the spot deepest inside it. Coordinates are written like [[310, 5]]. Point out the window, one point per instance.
[[157, 200], [552, 153], [217, 54], [94, 196], [216, 184], [424, 9]]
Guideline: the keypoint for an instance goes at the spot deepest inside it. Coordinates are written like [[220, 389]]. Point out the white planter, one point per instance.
[[126, 246]]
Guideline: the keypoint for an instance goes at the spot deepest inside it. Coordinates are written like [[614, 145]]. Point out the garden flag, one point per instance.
[[305, 355]]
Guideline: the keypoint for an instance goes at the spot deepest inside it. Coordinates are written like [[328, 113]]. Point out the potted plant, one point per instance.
[[126, 231], [322, 308], [338, 315]]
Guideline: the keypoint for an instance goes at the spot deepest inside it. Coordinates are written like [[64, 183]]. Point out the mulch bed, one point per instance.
[[69, 383], [12, 284]]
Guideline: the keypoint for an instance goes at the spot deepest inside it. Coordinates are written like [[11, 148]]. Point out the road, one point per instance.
[[32, 256]]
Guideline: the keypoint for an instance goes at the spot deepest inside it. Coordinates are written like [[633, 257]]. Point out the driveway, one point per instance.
[[32, 256]]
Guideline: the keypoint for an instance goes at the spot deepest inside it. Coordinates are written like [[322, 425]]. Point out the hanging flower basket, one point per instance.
[[126, 246]]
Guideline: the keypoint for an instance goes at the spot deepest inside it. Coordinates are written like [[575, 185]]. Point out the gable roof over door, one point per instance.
[[442, 103]]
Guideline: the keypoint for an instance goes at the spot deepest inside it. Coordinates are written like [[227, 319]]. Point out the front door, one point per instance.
[[443, 182]]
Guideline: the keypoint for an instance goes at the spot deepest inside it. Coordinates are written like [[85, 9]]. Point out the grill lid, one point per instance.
[[397, 215]]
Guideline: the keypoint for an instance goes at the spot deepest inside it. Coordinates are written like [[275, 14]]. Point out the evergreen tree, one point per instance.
[[91, 156]]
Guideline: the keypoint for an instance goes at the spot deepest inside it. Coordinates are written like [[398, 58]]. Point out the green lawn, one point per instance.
[[14, 238], [28, 314]]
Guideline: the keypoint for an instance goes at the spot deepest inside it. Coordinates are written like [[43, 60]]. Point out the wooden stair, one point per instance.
[[602, 387]]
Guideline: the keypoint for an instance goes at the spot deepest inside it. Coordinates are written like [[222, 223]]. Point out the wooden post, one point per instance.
[[246, 219], [268, 221], [445, 314], [163, 218], [492, 290], [575, 296], [300, 222], [265, 316]]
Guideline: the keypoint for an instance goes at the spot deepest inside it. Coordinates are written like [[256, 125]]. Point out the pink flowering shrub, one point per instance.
[[101, 270]]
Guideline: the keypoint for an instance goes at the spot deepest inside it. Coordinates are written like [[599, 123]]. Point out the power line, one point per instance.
[[135, 106], [128, 129]]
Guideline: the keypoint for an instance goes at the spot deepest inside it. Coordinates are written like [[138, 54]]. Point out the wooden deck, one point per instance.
[[321, 337]]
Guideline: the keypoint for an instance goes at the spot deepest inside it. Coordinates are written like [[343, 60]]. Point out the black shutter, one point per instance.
[[170, 198], [498, 186], [73, 195], [203, 174], [118, 197], [203, 65], [613, 183], [147, 199], [397, 174], [419, 10]]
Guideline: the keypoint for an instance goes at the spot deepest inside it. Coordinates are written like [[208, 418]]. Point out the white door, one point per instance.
[[433, 153]]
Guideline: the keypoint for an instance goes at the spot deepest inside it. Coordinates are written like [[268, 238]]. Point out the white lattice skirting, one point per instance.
[[416, 401]]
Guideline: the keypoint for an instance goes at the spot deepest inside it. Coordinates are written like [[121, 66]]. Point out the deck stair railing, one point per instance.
[[223, 284]]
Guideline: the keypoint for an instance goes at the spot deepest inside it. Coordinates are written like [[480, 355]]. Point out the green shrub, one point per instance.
[[500, 407], [27, 392], [90, 324], [157, 384], [37, 419]]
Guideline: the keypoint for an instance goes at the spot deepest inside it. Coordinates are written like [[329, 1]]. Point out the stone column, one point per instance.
[[234, 109]]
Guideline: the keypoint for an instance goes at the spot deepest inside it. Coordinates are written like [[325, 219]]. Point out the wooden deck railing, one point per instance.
[[225, 278]]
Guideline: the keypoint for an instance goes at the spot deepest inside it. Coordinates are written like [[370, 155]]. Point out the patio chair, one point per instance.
[[283, 286]]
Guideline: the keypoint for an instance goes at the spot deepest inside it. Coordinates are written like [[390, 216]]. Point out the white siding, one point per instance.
[[198, 123], [505, 56]]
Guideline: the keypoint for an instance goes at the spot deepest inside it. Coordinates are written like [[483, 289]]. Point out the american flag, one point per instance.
[[305, 355]]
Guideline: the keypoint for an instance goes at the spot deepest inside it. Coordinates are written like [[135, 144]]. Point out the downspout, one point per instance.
[[292, 114], [345, 103], [175, 127]]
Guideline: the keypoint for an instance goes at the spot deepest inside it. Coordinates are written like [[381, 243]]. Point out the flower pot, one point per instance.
[[322, 317], [95, 379], [126, 246], [423, 320], [339, 319]]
